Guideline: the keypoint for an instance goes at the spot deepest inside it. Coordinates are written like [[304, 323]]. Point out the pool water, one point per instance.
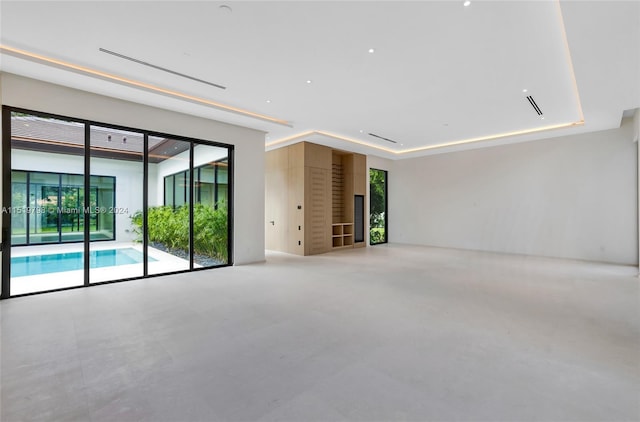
[[55, 263]]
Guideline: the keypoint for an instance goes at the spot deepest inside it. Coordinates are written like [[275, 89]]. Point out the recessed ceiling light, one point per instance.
[[361, 131], [372, 50], [467, 3], [309, 81], [541, 117], [268, 101], [525, 90]]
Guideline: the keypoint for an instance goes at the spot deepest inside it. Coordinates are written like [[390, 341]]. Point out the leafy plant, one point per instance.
[[376, 235], [171, 228], [377, 181]]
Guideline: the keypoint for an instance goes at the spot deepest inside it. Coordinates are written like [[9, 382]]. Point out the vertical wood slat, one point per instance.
[[337, 189]]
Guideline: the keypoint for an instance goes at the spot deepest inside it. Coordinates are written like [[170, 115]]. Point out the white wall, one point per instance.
[[636, 125], [36, 95], [572, 197]]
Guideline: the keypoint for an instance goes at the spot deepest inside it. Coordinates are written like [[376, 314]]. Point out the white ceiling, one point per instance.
[[441, 72]]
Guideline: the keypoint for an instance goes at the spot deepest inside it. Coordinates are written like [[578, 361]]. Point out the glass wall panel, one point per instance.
[[181, 187], [71, 208], [47, 163], [168, 222], [116, 204], [169, 198], [43, 202], [57, 212], [377, 206], [210, 211], [19, 212], [222, 183], [206, 184], [102, 204]]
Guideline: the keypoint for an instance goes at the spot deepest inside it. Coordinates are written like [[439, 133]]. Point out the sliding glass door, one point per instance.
[[119, 153], [46, 185], [211, 206], [87, 203], [168, 214], [377, 206]]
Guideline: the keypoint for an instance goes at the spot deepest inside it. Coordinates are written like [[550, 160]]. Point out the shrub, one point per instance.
[[376, 235], [171, 228]]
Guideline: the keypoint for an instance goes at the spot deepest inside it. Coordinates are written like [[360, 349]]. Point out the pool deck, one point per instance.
[[164, 263]]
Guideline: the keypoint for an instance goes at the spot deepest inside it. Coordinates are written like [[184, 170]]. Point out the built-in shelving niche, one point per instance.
[[342, 199], [342, 235]]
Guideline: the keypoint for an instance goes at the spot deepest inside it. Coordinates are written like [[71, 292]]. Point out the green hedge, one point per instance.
[[376, 235], [171, 227]]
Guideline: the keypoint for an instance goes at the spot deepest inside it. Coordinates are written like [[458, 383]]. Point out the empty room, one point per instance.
[[320, 210]]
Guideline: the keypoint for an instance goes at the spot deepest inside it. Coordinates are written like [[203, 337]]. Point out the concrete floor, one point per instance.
[[383, 333]]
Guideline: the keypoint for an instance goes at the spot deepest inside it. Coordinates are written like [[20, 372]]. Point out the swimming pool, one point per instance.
[[44, 264]]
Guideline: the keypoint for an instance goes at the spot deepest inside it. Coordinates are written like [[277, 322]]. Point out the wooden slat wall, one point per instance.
[[347, 161], [317, 216], [309, 187], [337, 189]]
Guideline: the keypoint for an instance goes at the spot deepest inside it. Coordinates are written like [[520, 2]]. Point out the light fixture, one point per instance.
[[309, 81], [541, 117], [23, 54], [525, 90], [427, 147], [467, 3], [361, 131], [268, 101], [372, 50]]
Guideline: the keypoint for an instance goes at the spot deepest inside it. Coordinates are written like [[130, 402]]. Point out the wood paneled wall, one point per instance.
[[301, 196]]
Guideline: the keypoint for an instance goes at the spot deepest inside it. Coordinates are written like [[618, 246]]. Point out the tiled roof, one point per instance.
[[48, 134]]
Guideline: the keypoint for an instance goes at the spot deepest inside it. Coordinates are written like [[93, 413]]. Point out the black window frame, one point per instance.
[[59, 217], [6, 170], [197, 191], [386, 206]]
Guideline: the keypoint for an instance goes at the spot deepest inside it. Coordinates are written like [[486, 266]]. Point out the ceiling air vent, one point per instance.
[[383, 138], [534, 105], [164, 69]]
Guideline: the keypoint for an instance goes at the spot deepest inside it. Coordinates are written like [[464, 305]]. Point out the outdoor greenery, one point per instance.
[[170, 227], [377, 207], [376, 235]]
